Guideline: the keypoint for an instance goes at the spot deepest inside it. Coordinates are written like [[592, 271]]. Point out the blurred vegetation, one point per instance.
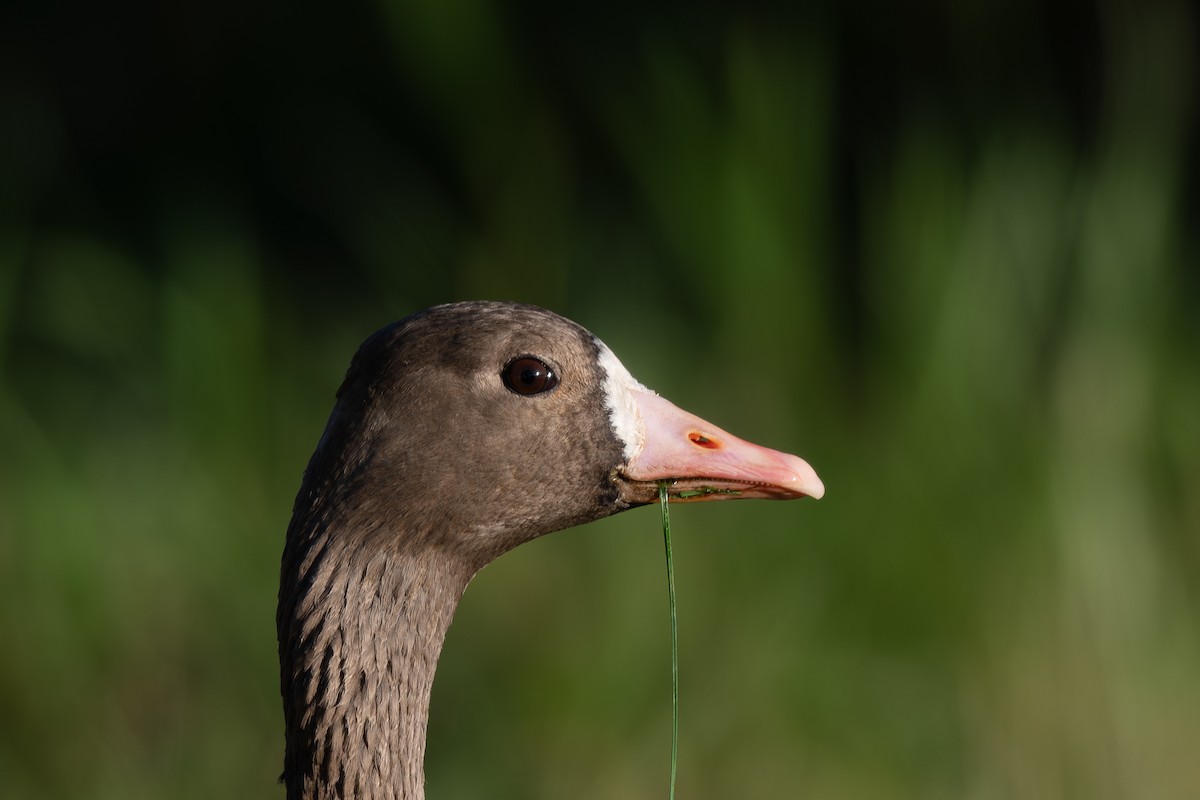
[[947, 253]]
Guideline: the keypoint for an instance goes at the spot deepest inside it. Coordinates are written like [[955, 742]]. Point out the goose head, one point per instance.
[[459, 433]]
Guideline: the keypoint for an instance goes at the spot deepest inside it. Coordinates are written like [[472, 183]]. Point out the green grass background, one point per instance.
[[947, 254]]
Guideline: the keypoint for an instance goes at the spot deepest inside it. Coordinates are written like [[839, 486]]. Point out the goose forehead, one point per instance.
[[619, 401]]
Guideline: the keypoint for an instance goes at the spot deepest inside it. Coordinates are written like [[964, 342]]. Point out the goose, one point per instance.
[[458, 433]]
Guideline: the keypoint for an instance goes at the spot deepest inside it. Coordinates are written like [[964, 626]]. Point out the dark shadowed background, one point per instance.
[[948, 253]]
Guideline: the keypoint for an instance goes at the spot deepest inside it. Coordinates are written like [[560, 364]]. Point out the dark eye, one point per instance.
[[529, 375]]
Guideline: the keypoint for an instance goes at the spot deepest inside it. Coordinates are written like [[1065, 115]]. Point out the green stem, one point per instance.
[[666, 517]]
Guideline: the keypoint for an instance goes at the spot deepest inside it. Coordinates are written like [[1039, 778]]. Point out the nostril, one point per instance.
[[700, 440]]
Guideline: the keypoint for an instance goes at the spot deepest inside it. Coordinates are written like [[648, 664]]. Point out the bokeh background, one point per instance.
[[947, 252]]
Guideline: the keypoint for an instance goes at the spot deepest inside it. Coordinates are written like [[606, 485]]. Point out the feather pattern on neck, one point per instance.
[[361, 630]]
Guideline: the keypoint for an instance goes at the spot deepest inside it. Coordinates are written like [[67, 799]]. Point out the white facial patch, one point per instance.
[[623, 413]]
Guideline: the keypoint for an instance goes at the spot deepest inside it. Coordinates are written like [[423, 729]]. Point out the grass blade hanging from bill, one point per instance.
[[666, 519]]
